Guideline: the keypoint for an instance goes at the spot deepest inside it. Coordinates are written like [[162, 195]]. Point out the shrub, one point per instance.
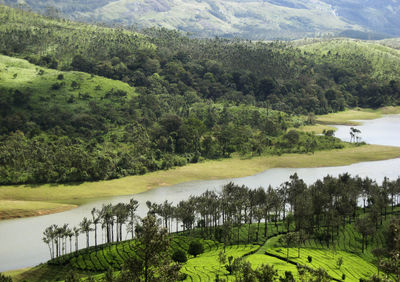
[[195, 248], [60, 77], [57, 86], [179, 256], [343, 276], [309, 258]]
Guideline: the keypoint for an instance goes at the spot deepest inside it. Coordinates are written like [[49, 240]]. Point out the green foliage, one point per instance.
[[179, 256], [195, 248]]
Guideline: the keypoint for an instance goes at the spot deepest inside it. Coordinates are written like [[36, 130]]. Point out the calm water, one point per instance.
[[20, 239]]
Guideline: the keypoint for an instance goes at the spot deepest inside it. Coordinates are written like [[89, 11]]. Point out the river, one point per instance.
[[21, 239]]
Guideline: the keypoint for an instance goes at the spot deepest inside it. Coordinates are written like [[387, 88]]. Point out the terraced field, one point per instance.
[[206, 266], [354, 267]]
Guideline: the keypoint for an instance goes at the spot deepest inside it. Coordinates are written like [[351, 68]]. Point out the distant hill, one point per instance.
[[251, 19]]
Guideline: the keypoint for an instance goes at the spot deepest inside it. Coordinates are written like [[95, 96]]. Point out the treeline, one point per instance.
[[301, 212]]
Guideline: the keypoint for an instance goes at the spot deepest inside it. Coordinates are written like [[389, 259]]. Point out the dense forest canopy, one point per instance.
[[100, 103]]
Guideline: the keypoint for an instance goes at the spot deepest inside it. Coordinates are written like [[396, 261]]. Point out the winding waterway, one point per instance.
[[21, 239]]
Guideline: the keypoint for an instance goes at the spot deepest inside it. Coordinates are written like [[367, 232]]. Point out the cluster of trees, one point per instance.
[[319, 210], [315, 211], [59, 147], [109, 218]]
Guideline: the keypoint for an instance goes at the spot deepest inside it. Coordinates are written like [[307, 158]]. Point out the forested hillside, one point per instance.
[[168, 99]]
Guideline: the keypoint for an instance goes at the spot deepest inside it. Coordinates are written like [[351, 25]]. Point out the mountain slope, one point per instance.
[[252, 19]]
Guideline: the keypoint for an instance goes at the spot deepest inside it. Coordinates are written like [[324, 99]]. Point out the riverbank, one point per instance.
[[18, 209], [77, 194], [348, 117]]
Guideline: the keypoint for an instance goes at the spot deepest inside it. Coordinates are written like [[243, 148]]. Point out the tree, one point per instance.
[[392, 264], [76, 231], [132, 207], [179, 256], [152, 247], [195, 248], [266, 273], [288, 240], [365, 228], [85, 227], [287, 278], [96, 216], [379, 254]]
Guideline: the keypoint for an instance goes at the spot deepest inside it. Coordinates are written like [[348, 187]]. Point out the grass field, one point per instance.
[[21, 75], [354, 267]]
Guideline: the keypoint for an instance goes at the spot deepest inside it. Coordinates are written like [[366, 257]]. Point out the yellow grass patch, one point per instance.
[[16, 209], [347, 117]]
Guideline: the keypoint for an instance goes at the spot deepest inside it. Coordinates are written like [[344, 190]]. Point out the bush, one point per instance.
[[179, 256], [60, 77], [195, 248], [309, 258], [343, 276], [57, 86]]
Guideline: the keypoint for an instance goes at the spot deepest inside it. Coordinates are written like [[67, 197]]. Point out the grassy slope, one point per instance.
[[18, 74]]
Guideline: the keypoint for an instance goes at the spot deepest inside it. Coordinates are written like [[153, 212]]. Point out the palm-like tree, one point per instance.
[[96, 216], [69, 233], [85, 226], [76, 231], [132, 207], [48, 238]]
